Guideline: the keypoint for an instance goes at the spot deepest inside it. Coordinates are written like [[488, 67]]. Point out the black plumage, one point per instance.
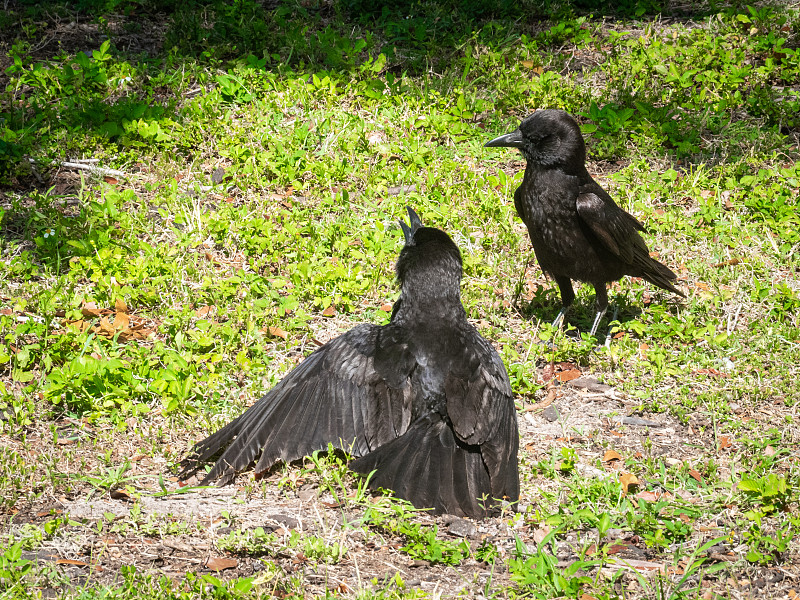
[[576, 229], [424, 401]]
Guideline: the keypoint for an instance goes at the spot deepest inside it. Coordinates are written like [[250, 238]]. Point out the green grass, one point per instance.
[[141, 309]]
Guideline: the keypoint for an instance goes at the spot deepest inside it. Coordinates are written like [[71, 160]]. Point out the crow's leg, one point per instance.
[[567, 297], [601, 302], [613, 318]]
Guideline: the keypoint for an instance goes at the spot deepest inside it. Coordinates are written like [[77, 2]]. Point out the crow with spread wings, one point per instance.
[[424, 402]]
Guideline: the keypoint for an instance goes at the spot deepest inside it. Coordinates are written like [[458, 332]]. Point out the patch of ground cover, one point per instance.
[[256, 218]]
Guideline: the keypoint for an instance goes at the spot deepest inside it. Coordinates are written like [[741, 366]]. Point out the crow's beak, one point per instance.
[[509, 140], [408, 232]]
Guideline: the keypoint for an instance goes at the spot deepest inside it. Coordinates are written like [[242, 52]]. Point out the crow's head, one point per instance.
[[547, 137], [429, 259]]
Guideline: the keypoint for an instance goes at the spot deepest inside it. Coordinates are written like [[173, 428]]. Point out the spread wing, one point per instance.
[[336, 395], [615, 228], [480, 406]]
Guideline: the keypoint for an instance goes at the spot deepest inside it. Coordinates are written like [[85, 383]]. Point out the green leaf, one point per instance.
[[749, 485]]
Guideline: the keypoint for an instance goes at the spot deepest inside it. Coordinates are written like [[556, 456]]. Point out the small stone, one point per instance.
[[306, 495], [590, 384], [462, 528], [401, 189], [551, 413], [285, 520], [418, 563], [217, 176]]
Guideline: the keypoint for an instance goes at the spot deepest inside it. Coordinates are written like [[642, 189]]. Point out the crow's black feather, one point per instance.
[[576, 229], [424, 401]]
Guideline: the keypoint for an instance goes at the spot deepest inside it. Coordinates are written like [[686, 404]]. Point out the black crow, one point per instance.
[[424, 401], [577, 230]]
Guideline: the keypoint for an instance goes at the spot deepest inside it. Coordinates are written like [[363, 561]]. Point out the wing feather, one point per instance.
[[619, 233], [481, 408], [615, 228], [328, 398]]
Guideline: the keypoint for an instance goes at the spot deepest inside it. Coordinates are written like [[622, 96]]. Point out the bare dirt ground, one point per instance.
[[583, 414]]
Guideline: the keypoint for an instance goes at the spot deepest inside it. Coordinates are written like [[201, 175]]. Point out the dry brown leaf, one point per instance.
[[727, 263], [105, 328], [540, 533], [203, 311], [724, 442], [80, 325], [120, 306], [69, 561], [769, 451], [276, 332], [564, 376], [695, 475], [329, 312], [386, 307], [587, 596], [121, 321], [6, 312], [628, 480], [647, 496], [217, 563], [110, 180], [611, 455], [89, 309]]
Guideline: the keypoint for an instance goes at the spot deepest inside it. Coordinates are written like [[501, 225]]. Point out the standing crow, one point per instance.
[[576, 229], [424, 401]]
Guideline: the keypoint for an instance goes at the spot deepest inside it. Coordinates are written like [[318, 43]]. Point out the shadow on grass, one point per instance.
[[152, 42]]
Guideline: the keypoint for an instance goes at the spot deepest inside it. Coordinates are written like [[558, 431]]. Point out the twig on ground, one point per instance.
[[93, 169], [82, 165]]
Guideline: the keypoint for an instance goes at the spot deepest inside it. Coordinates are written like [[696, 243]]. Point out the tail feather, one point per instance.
[[429, 467], [661, 275]]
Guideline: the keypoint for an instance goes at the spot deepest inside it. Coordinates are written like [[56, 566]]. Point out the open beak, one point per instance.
[[409, 231], [509, 140]]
